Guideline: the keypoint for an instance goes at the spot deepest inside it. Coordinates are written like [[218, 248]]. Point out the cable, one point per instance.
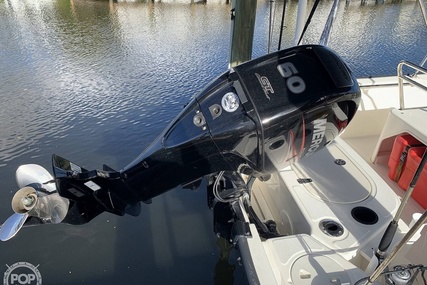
[[424, 278], [216, 190], [282, 25]]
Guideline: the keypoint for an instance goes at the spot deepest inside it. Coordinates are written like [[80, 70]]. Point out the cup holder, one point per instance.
[[331, 228], [364, 215]]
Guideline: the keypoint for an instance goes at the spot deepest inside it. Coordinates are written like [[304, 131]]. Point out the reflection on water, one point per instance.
[[96, 81]]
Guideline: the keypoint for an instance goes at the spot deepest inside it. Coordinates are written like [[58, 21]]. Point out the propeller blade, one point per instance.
[[12, 225], [33, 173], [52, 207]]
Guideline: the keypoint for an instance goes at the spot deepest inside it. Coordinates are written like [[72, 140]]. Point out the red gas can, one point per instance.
[[412, 161], [398, 155]]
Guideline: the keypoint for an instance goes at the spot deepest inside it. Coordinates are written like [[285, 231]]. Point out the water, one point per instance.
[[95, 82]]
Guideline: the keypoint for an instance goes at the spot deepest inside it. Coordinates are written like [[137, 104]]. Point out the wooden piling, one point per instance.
[[242, 30]]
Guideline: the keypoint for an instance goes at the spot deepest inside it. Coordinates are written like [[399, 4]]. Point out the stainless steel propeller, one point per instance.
[[47, 205]]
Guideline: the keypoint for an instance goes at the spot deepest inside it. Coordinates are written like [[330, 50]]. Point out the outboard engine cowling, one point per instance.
[[254, 119], [258, 117], [301, 99]]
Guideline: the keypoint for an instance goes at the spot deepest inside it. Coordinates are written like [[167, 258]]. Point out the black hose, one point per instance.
[[282, 24]]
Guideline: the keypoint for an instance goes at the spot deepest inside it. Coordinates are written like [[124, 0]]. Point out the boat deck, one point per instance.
[[366, 135], [300, 208]]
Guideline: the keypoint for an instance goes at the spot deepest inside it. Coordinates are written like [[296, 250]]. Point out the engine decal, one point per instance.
[[265, 84], [318, 135]]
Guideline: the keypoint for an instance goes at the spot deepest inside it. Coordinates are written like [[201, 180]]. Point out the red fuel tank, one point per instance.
[[412, 161], [397, 159]]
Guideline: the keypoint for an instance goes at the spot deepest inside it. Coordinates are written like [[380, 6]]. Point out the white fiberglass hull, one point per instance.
[[332, 208]]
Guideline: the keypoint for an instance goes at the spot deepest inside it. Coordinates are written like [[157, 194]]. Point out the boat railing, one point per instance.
[[410, 79], [423, 10], [324, 38]]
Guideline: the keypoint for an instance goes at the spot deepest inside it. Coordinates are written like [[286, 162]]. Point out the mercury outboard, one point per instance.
[[253, 119]]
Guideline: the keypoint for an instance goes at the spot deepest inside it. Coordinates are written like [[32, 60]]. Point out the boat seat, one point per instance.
[[410, 121]]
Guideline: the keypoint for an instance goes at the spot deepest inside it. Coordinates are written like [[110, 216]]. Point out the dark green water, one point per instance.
[[96, 82]]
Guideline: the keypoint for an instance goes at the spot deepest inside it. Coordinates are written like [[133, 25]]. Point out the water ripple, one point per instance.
[[99, 76]]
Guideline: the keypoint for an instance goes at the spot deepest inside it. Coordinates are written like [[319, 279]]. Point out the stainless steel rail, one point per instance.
[[409, 79], [324, 38], [423, 61], [423, 10]]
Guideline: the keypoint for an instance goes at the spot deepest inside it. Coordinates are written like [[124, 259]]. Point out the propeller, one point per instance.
[[36, 198]]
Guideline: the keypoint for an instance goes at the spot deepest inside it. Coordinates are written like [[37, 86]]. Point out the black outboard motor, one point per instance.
[[254, 119]]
